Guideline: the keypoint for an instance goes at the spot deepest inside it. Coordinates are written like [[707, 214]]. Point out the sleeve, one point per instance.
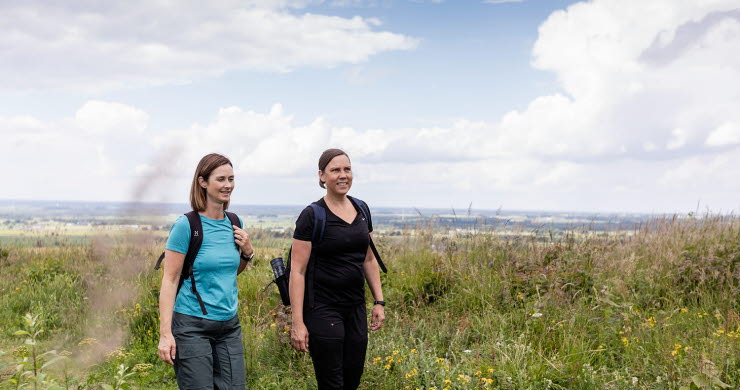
[[179, 239], [304, 225]]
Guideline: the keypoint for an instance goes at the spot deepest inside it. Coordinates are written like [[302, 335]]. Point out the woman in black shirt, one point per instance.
[[328, 298]]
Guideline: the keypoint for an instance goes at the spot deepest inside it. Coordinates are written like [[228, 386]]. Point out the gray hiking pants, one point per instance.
[[210, 354]]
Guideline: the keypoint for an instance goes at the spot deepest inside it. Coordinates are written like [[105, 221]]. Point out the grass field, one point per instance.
[[655, 309]]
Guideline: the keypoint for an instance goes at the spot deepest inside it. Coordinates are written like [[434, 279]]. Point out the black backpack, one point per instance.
[[196, 239], [319, 223]]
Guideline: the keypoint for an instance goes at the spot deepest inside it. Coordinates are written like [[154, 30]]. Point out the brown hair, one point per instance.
[[205, 167], [327, 156]]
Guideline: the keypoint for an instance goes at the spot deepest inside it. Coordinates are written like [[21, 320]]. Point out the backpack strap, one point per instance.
[[196, 239], [319, 223], [234, 219], [362, 206]]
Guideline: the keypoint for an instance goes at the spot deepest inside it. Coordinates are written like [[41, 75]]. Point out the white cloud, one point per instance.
[[105, 117], [714, 174], [646, 119], [81, 45], [727, 134], [275, 160], [86, 153], [640, 80]]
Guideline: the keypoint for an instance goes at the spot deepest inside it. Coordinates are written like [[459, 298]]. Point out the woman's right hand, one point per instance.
[[167, 348], [299, 337]]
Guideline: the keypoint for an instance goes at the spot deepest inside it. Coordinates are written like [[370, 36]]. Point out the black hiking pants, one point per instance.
[[337, 342]]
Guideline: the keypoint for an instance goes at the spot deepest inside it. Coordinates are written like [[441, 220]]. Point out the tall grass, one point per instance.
[[653, 308]]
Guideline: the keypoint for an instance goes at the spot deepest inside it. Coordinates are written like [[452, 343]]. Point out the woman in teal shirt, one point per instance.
[[201, 338]]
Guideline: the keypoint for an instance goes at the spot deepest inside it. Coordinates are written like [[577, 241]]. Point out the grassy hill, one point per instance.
[[652, 308]]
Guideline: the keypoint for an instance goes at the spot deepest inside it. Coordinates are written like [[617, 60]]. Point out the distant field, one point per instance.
[[32, 214], [650, 307]]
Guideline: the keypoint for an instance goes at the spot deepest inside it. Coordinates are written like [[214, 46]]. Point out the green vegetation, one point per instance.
[[654, 309]]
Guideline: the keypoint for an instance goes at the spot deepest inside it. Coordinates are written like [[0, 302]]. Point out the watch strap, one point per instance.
[[247, 258]]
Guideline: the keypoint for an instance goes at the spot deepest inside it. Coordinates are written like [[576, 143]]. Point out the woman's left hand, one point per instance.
[[241, 238], [377, 317]]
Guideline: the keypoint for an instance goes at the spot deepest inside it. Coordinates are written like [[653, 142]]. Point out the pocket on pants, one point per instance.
[[236, 360], [194, 366]]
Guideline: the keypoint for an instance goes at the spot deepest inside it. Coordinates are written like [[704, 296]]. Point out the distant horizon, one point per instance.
[[460, 212]]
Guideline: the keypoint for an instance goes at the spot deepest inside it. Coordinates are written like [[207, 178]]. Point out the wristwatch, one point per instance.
[[247, 258], [381, 303]]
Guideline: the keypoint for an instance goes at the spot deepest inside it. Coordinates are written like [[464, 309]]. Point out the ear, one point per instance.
[[203, 183]]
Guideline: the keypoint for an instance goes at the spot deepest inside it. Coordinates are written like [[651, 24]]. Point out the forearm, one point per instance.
[[372, 275], [297, 288], [242, 266], [166, 305]]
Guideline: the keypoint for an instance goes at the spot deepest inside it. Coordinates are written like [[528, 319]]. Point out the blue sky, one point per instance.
[[600, 105]]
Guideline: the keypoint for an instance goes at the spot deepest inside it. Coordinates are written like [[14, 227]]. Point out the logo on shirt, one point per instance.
[[195, 233]]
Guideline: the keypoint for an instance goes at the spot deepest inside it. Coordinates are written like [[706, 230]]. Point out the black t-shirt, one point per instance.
[[339, 277]]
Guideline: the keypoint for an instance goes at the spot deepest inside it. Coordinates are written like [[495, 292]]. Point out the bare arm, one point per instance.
[[372, 275], [298, 263], [173, 262]]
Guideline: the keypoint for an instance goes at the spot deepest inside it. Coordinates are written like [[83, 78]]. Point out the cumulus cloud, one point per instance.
[[86, 153], [647, 105], [726, 134], [639, 80], [99, 46], [106, 117], [275, 160]]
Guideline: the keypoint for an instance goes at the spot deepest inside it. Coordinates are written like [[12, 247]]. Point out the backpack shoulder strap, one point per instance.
[[196, 239], [235, 221], [319, 223], [362, 206]]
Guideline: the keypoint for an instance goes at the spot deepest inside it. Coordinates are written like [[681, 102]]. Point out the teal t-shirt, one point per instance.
[[214, 268]]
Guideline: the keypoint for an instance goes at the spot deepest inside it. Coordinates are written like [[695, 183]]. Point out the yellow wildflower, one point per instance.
[[87, 341]]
